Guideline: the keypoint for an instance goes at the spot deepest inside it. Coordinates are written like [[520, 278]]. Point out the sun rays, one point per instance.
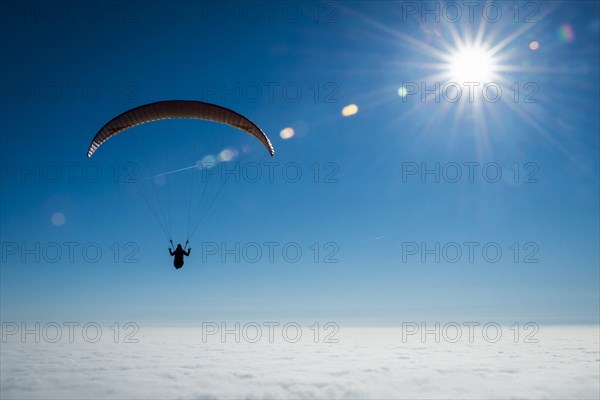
[[473, 73]]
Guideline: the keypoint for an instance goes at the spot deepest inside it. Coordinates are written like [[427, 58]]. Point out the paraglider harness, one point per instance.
[[178, 260]]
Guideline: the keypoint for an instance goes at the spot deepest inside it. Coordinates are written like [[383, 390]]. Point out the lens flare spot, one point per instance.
[[227, 155], [58, 219], [287, 133], [534, 45], [208, 162], [402, 91], [349, 110], [566, 33]]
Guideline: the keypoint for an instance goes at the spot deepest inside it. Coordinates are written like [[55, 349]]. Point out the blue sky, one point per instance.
[[68, 69]]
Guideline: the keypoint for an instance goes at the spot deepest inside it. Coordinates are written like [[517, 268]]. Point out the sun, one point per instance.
[[471, 64]]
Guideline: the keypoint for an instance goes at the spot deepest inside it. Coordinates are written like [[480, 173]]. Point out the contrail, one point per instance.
[[174, 171], [204, 165]]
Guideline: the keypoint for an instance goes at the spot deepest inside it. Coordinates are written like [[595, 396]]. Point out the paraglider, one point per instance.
[[178, 254], [178, 109]]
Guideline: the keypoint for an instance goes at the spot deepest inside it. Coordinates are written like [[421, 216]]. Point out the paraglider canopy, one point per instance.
[[171, 109]]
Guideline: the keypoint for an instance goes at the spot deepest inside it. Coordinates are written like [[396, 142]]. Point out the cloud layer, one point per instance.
[[366, 363]]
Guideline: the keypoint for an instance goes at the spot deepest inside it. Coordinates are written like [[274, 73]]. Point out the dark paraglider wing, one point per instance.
[[188, 109]]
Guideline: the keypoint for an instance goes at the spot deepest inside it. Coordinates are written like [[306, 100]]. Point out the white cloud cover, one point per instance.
[[366, 363]]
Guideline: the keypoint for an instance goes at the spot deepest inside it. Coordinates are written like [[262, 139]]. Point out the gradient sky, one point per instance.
[[67, 69]]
